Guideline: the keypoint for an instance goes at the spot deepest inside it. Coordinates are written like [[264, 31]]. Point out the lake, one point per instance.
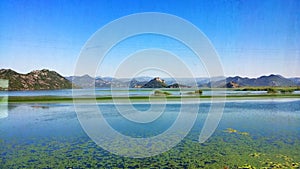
[[251, 133], [124, 92]]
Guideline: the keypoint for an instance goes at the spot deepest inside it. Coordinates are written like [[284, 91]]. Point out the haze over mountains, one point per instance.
[[49, 80], [149, 82]]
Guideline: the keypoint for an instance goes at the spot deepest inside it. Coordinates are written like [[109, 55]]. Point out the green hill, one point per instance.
[[35, 80]]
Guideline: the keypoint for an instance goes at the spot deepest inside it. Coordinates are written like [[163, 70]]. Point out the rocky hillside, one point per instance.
[[232, 85], [176, 85], [155, 83], [35, 80]]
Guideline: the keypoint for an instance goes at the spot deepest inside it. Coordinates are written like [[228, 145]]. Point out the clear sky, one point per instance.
[[252, 38]]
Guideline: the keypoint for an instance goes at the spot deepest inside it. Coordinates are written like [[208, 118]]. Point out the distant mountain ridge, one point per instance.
[[87, 81], [271, 80], [148, 82], [296, 80], [49, 80], [35, 80]]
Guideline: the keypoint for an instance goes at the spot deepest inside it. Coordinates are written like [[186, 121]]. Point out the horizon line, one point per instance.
[[99, 76]]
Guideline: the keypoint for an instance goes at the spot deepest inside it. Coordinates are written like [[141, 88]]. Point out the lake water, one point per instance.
[[263, 133], [120, 92]]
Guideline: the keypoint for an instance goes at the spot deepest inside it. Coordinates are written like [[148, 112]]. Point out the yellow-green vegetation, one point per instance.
[[271, 90], [286, 90], [263, 88], [244, 133], [74, 152], [220, 151], [199, 92], [281, 89], [36, 99], [247, 166], [3, 99], [255, 154], [161, 93], [231, 130], [196, 92]]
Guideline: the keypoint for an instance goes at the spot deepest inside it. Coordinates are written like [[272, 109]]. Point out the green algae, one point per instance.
[[221, 150], [231, 130]]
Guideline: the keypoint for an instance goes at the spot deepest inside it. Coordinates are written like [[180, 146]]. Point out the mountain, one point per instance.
[[232, 85], [134, 83], [87, 81], [146, 82], [296, 80], [271, 80], [160, 83], [35, 80], [176, 85], [155, 83]]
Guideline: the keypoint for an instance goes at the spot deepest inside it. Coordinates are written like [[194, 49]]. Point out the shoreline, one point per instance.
[[147, 99]]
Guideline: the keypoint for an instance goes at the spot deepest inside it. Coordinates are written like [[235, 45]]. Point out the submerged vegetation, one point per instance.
[[196, 92], [230, 130], [232, 148], [266, 88], [222, 150], [161, 93], [287, 90], [271, 91]]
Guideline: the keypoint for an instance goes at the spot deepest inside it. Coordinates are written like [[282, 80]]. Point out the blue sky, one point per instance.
[[252, 38]]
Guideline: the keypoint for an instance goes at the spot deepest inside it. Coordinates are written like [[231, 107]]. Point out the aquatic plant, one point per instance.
[[255, 154], [229, 147], [196, 92], [161, 93], [287, 90], [230, 130], [247, 166], [271, 90], [244, 133]]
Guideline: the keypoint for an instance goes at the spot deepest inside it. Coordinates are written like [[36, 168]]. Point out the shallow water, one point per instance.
[[262, 134], [120, 92]]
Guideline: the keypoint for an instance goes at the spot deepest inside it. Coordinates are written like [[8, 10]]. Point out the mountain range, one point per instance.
[[49, 80], [219, 82], [271, 80], [35, 80]]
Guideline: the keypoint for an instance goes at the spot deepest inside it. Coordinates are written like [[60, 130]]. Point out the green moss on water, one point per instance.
[[161, 93], [223, 149]]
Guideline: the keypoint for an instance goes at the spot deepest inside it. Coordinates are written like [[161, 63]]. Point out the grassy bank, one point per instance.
[[37, 99]]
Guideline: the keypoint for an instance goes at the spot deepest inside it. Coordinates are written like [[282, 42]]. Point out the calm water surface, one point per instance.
[[250, 133], [119, 92]]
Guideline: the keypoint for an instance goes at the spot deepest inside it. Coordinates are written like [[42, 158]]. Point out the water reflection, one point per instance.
[[3, 98]]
